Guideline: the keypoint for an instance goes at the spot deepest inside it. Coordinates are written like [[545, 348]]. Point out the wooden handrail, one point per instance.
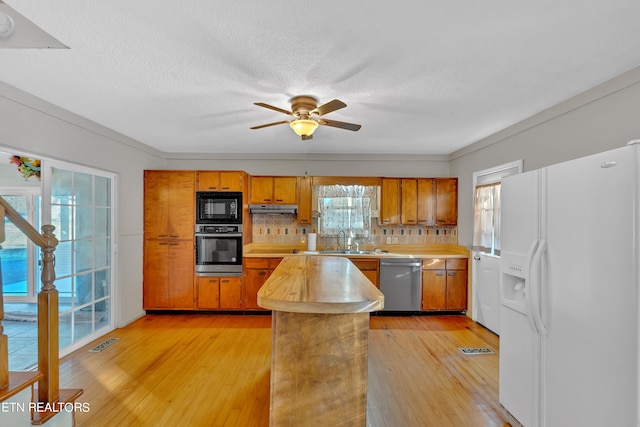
[[23, 225], [48, 350]]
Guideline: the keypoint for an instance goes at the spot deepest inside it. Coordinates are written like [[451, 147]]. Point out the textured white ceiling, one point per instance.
[[424, 77]]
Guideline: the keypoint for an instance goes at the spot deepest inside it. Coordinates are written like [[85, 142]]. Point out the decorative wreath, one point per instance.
[[26, 166]]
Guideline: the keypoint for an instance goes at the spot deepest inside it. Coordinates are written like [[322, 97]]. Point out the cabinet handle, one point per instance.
[[174, 244], [266, 200], [213, 188], [174, 235], [262, 273], [163, 243], [224, 188], [224, 280], [440, 273], [451, 273], [162, 235]]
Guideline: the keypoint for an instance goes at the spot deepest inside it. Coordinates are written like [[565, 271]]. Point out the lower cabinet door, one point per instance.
[[434, 289], [254, 279], [208, 292], [231, 293]]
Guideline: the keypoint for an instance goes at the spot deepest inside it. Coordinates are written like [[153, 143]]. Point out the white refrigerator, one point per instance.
[[569, 293]]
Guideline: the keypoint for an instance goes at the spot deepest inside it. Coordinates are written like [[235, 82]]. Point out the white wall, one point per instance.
[[319, 165], [35, 128], [603, 118]]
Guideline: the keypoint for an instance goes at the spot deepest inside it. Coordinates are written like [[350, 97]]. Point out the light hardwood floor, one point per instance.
[[213, 370]]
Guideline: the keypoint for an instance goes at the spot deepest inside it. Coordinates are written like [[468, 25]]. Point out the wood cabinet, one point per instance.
[[219, 293], [168, 274], [169, 204], [208, 292], [444, 284], [370, 267], [221, 181], [231, 293], [409, 198], [426, 201], [390, 203], [256, 272], [305, 202], [277, 190], [168, 252], [429, 201]]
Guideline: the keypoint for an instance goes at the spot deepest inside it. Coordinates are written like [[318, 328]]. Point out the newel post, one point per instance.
[[4, 342], [48, 360]]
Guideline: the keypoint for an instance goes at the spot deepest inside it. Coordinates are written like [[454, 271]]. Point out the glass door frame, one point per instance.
[[47, 167]]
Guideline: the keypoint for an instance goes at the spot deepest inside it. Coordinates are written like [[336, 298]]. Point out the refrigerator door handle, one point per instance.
[[528, 287], [536, 288]]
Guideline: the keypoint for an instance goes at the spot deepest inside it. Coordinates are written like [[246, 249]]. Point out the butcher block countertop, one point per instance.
[[255, 250], [319, 284]]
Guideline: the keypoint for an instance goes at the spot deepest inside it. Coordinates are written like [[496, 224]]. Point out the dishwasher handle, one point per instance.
[[400, 264]]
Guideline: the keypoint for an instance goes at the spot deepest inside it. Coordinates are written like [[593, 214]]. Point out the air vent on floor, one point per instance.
[[103, 345], [472, 350]]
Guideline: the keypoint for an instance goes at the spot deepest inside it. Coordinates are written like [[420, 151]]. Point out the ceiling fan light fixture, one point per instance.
[[304, 126], [6, 25]]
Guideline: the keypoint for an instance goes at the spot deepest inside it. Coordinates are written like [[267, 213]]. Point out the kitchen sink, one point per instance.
[[344, 252]]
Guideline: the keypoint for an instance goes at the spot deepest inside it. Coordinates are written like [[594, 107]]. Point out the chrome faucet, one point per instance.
[[344, 239]]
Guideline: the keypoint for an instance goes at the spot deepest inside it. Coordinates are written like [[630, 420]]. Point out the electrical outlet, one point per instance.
[[389, 240], [395, 239]]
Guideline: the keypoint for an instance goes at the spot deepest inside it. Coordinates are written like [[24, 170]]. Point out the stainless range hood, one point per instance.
[[273, 209]]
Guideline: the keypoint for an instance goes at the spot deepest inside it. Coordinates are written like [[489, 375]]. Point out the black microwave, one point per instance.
[[214, 207]]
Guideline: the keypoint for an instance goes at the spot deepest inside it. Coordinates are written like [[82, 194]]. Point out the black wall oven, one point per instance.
[[218, 250], [213, 207]]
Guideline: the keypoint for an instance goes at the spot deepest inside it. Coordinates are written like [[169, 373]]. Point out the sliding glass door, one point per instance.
[[81, 208], [19, 277]]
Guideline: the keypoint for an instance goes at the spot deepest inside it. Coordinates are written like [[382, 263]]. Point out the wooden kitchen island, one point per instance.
[[320, 327]]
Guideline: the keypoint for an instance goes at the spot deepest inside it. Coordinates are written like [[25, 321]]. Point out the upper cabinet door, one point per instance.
[[305, 190], [409, 202], [220, 181], [169, 204], [390, 205], [446, 201], [261, 189], [285, 190], [279, 190], [427, 201]]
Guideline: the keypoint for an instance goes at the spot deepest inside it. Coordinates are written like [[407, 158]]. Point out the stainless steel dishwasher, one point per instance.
[[400, 283]]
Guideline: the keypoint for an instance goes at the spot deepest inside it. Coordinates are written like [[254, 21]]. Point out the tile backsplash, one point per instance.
[[284, 229]]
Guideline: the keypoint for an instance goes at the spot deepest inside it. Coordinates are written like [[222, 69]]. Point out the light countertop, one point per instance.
[[394, 251], [319, 284]]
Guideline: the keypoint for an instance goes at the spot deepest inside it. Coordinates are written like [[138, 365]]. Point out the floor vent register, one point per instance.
[[103, 345], [473, 350]]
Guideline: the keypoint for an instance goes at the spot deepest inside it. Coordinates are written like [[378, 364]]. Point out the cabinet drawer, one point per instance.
[[433, 264], [365, 264], [457, 264], [256, 263], [274, 262]]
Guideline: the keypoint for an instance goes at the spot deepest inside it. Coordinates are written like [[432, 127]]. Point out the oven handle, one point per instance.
[[219, 235]]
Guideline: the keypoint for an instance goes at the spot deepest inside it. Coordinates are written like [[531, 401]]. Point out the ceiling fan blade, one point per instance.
[[271, 124], [341, 125], [306, 137], [271, 107], [330, 106]]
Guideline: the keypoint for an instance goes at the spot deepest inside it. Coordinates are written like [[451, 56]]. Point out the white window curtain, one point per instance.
[[486, 219], [344, 208]]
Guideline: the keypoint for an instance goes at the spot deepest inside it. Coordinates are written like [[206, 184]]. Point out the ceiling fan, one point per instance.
[[308, 116]]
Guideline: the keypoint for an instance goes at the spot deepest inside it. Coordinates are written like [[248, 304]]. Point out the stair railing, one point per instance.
[[48, 360]]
